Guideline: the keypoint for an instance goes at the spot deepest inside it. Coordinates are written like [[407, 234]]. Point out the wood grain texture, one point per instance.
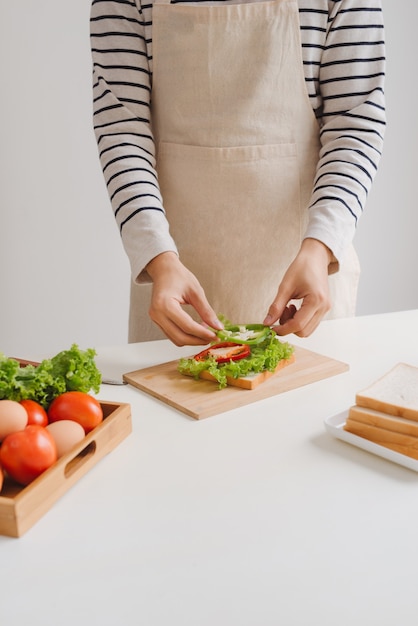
[[202, 398]]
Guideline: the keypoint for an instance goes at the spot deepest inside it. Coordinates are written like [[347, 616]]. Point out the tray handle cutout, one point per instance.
[[82, 457]]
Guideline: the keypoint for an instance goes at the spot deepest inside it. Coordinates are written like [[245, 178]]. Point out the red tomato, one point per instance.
[[24, 455], [1, 477], [77, 406], [36, 412]]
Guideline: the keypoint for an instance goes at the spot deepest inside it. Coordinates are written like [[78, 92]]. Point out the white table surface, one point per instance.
[[255, 517]]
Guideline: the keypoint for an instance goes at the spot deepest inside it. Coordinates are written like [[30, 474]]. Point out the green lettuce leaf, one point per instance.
[[69, 370]]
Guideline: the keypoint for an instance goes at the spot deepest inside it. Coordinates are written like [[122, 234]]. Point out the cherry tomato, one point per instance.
[[24, 455], [77, 406], [36, 412], [1, 477]]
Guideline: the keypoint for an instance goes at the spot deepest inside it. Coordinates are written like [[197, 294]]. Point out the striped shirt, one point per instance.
[[343, 54]]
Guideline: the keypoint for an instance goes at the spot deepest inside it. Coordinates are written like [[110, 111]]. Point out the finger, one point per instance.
[[181, 338], [278, 307], [293, 327], [205, 311], [182, 329], [311, 326], [303, 323], [288, 313]]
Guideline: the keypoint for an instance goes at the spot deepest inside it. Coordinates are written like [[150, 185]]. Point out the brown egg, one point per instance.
[[13, 417], [66, 434]]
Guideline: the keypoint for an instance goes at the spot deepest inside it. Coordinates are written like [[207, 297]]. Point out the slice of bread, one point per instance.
[[405, 444], [395, 393], [252, 381], [383, 420]]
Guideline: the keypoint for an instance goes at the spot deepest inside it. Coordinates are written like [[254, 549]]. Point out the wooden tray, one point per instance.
[[21, 507], [202, 398]]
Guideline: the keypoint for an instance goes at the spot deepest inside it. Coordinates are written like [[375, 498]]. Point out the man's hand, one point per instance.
[[173, 286], [306, 280]]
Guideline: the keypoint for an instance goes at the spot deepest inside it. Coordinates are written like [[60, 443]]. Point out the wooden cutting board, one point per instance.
[[202, 398]]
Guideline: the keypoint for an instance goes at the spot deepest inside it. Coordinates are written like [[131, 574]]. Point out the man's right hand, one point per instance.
[[174, 286]]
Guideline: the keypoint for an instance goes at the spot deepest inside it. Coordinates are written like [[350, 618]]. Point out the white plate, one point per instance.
[[334, 425]]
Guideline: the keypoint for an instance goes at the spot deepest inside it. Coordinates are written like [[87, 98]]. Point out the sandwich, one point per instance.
[[244, 356]]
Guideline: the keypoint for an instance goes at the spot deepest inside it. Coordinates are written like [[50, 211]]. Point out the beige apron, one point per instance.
[[237, 148]]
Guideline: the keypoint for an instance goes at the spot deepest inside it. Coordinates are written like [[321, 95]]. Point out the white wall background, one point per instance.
[[386, 238], [64, 277]]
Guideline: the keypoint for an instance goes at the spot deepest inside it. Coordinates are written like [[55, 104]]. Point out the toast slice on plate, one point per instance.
[[395, 393]]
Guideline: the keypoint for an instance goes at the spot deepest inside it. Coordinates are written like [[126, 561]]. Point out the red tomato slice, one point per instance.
[[224, 352]]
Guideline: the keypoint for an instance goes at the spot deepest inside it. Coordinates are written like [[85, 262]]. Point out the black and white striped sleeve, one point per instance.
[[120, 47], [351, 109]]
